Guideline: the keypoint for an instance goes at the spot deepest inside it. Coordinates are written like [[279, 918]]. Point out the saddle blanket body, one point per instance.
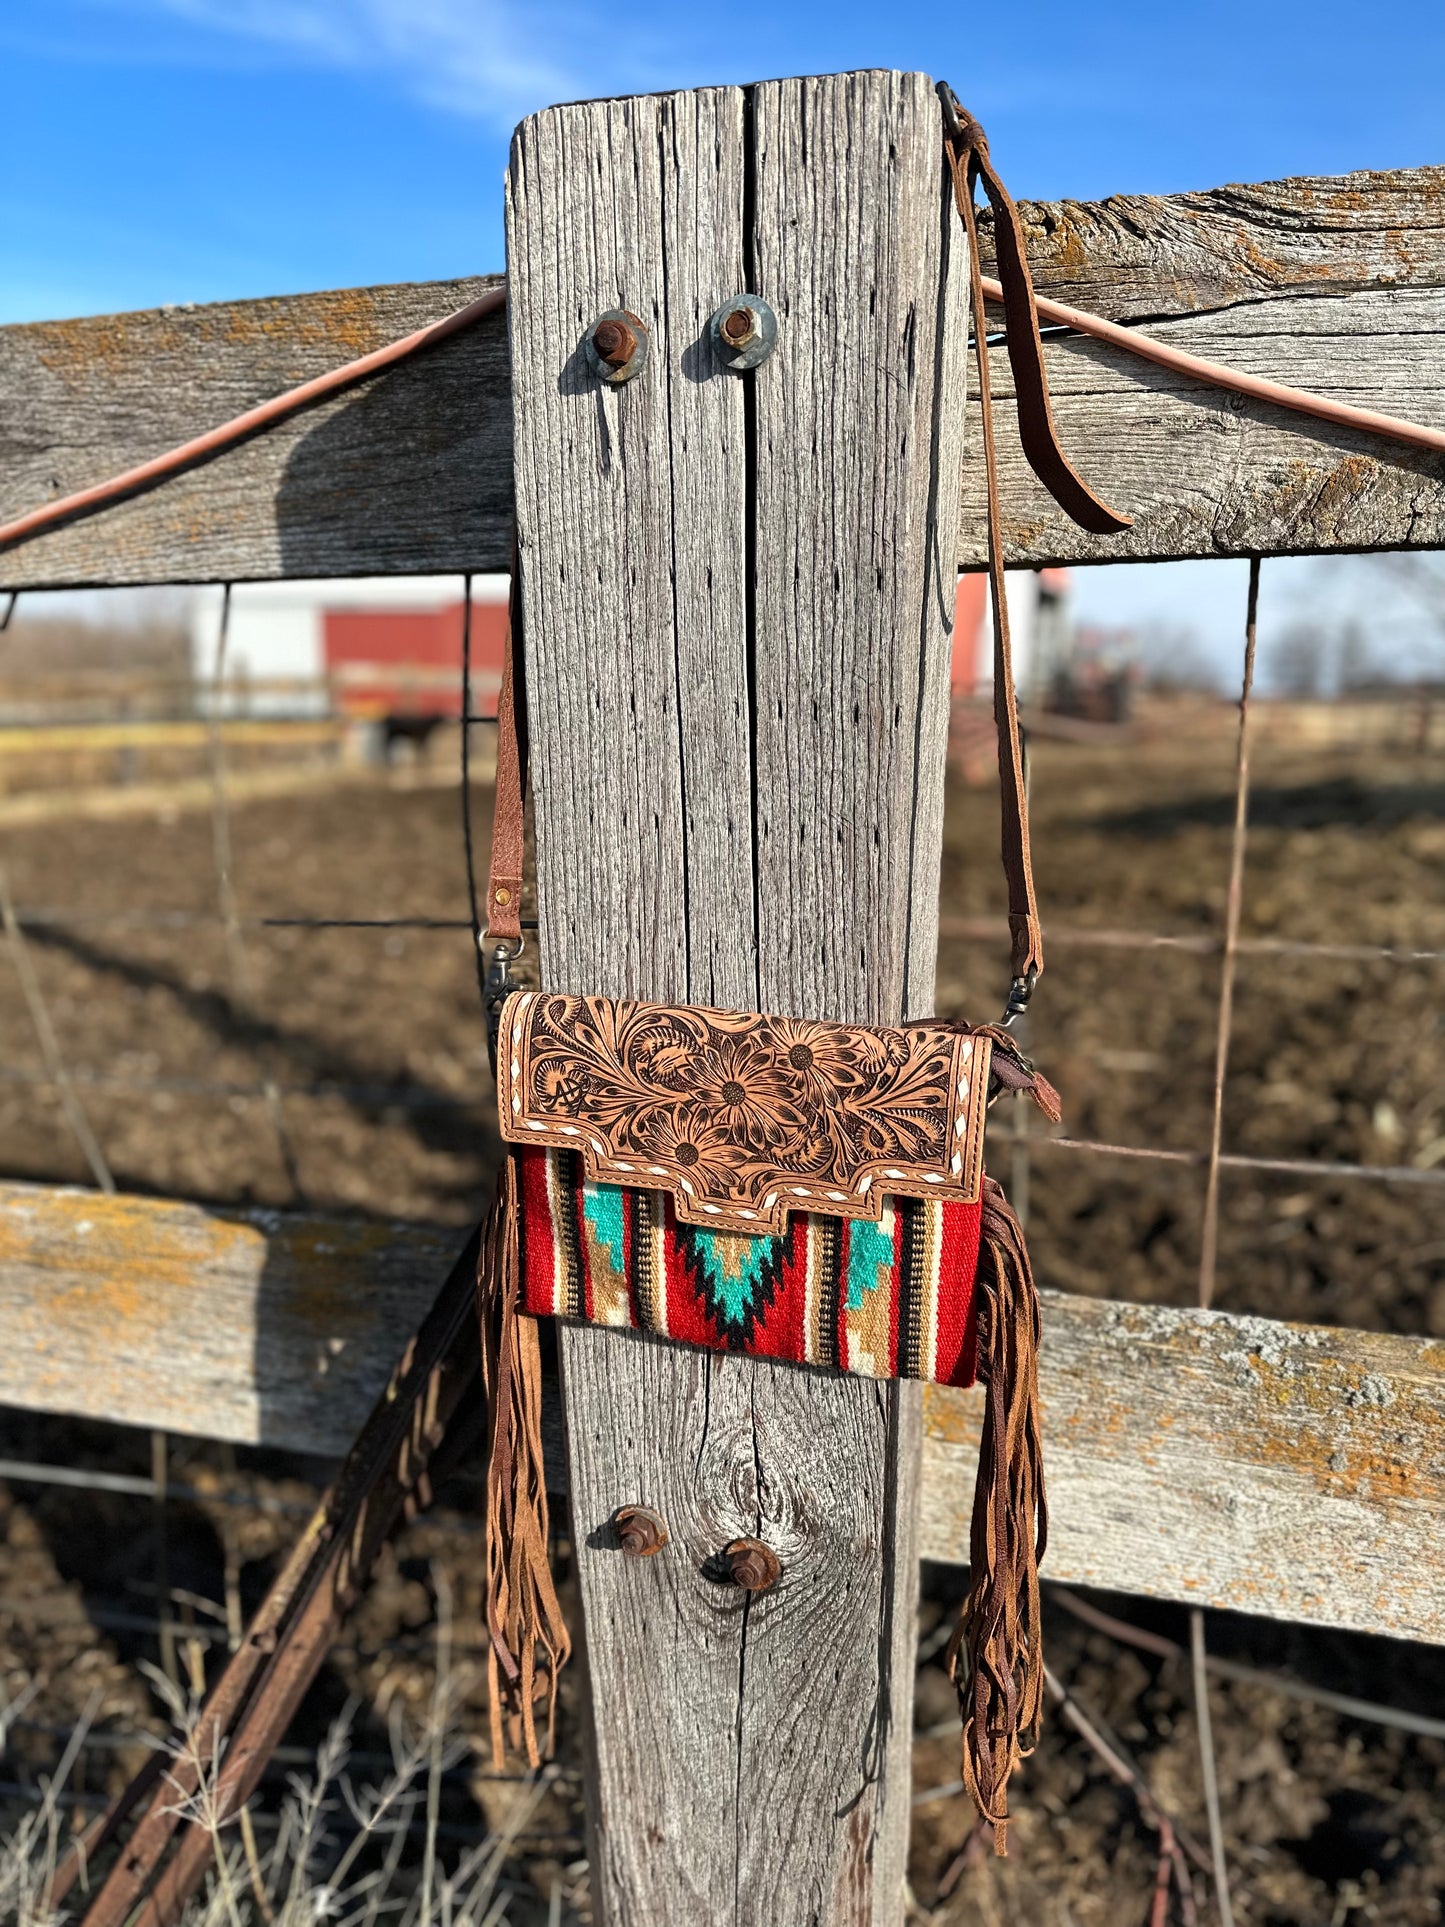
[[892, 1298]]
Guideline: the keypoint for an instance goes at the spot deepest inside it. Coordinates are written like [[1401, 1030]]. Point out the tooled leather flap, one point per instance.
[[745, 1118]]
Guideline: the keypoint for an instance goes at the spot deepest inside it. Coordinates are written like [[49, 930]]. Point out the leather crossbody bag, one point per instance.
[[806, 1191]]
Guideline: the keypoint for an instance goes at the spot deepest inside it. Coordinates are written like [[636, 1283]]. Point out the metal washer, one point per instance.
[[604, 370], [763, 342]]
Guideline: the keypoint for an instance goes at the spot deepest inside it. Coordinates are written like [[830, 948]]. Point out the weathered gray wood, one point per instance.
[[409, 472], [1135, 257], [595, 506], [858, 458], [703, 261], [241, 1325], [1332, 283], [1290, 1470], [1205, 473], [858, 455], [759, 1784]]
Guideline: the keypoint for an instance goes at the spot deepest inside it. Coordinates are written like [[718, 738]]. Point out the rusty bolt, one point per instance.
[[753, 1565], [641, 1530], [744, 331], [738, 328], [615, 342], [616, 346]]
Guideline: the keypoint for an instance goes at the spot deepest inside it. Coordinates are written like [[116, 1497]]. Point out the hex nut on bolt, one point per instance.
[[640, 1530], [616, 345], [754, 1566], [744, 332], [738, 328]]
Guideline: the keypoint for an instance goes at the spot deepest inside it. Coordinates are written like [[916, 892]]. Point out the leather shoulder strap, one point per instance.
[[966, 147], [504, 880]]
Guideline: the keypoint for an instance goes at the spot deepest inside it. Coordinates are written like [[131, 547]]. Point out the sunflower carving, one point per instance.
[[746, 1117]]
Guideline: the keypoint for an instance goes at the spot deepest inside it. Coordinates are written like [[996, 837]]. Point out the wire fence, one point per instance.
[[27, 924], [178, 1633], [224, 690]]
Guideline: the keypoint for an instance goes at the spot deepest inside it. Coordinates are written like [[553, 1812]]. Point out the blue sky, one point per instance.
[[193, 150]]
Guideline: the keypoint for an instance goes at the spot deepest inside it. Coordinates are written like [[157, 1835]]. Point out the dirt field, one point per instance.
[[1328, 1820]]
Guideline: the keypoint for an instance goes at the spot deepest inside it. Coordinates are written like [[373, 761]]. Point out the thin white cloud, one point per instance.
[[494, 60]]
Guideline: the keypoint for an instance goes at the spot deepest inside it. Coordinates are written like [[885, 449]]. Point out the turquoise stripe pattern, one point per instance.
[[870, 1261], [738, 1275], [602, 1207]]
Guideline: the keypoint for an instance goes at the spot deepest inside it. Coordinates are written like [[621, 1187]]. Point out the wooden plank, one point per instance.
[[1290, 1470], [596, 497], [858, 455], [1205, 473], [1332, 283], [408, 473], [1137, 257], [771, 1793], [704, 262], [243, 1325]]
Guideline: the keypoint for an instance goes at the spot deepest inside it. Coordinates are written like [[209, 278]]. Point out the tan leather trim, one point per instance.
[[744, 1118]]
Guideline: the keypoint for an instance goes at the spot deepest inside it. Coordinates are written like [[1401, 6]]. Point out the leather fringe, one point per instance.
[[995, 1657], [529, 1642]]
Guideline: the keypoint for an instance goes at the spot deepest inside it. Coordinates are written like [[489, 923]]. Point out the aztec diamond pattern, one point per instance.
[[737, 1278], [891, 1299]]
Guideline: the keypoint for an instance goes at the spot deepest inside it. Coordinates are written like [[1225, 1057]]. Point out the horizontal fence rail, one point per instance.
[[249, 1327], [1304, 281], [1194, 1456]]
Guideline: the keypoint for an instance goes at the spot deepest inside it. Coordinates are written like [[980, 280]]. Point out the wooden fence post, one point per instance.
[[738, 599]]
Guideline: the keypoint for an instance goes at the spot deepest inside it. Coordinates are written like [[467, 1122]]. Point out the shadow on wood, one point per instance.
[[434, 434]]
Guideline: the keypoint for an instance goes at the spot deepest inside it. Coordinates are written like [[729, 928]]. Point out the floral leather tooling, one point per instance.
[[793, 1190], [744, 1118]]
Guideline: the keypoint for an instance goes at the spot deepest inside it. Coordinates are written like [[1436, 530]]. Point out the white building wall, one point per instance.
[[276, 632]]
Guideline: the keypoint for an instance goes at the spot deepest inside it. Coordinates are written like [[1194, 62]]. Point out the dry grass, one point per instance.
[[338, 1850]]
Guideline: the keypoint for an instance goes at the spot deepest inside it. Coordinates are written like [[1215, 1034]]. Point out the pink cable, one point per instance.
[[146, 474], [265, 415], [1221, 377]]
